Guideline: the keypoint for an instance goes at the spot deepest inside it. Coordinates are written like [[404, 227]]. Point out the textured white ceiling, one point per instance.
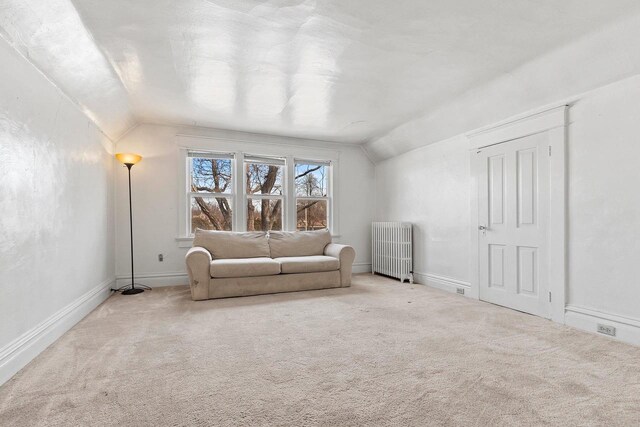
[[51, 35], [338, 70]]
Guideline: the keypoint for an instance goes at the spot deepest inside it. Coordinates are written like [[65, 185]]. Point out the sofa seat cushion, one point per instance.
[[308, 264], [244, 267]]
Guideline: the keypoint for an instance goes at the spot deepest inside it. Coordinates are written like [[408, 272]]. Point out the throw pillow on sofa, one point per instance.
[[229, 244], [298, 243]]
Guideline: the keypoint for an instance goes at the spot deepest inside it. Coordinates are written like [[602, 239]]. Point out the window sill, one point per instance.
[[187, 242]]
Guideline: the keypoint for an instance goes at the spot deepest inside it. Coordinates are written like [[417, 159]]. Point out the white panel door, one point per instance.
[[513, 217]]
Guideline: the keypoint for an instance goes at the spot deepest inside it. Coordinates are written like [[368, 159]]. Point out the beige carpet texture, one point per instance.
[[379, 353]]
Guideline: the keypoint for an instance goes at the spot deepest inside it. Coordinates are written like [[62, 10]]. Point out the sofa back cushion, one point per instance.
[[298, 243], [229, 244]]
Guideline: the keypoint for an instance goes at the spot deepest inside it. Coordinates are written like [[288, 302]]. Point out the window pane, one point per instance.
[[211, 175], [210, 213], [265, 214], [311, 180], [312, 214], [263, 178]]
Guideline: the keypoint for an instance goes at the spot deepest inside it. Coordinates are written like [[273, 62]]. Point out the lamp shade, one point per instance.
[[128, 158]]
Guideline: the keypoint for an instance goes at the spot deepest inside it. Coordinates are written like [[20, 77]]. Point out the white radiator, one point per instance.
[[392, 252]]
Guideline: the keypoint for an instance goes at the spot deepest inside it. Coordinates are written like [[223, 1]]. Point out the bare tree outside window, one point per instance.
[[265, 183], [211, 177], [312, 196], [212, 192]]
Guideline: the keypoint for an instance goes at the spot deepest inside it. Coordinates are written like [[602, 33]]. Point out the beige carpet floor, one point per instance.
[[378, 353]]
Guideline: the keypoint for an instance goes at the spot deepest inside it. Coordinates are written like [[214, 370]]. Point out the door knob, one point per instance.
[[482, 228]]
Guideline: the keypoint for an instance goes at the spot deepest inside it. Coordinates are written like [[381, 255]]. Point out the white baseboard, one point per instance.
[[19, 352], [445, 283], [361, 267], [156, 280], [587, 319]]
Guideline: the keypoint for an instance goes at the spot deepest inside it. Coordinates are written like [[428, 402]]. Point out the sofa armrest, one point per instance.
[[346, 254], [198, 261]]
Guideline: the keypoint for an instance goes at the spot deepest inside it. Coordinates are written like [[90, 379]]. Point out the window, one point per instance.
[[265, 192], [210, 191], [312, 195], [236, 191]]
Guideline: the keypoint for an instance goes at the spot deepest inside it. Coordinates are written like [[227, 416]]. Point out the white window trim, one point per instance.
[[186, 143], [329, 198], [269, 160], [184, 196], [240, 202]]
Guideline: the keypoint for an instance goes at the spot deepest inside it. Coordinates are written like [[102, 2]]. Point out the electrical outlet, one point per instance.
[[160, 257], [606, 329], [460, 291]]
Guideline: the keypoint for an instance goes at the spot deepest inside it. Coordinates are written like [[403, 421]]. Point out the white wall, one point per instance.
[[56, 212], [604, 200], [430, 186], [156, 206]]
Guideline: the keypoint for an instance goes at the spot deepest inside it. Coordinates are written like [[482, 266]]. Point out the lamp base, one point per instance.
[[132, 291]]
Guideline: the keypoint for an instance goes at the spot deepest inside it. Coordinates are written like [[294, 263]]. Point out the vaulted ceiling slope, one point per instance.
[[52, 36], [562, 76], [345, 71]]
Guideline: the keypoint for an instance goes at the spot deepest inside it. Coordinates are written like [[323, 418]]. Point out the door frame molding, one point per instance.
[[554, 121]]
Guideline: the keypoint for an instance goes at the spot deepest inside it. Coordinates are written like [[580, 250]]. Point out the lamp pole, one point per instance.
[[133, 290], [130, 159]]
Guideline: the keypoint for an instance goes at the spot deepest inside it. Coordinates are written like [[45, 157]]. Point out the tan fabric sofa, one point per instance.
[[227, 264]]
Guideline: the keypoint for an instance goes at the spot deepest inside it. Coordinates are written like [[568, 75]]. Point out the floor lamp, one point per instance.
[[129, 160]]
